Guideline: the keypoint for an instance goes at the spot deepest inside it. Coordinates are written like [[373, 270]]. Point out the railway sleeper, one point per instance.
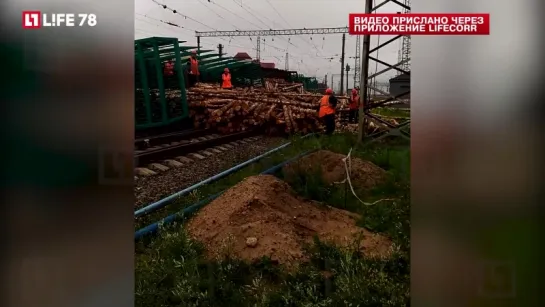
[[155, 168]]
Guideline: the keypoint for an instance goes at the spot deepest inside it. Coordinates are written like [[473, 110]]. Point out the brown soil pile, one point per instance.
[[363, 174], [265, 209]]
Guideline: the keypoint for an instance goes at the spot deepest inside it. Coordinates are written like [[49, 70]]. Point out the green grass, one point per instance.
[[171, 271], [392, 112]]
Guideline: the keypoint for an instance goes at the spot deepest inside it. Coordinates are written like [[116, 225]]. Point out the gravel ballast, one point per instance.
[[154, 188]]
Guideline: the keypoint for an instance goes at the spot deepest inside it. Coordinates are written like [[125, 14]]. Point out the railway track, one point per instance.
[[161, 140], [160, 153]]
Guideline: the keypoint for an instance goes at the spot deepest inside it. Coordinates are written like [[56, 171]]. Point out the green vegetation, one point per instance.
[[392, 112], [171, 271]]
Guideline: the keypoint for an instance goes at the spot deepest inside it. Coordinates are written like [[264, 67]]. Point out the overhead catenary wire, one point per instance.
[[261, 32], [167, 25], [264, 43], [266, 25], [288, 24], [235, 14], [238, 16], [164, 6], [211, 10], [165, 22], [185, 16], [262, 18], [178, 13]]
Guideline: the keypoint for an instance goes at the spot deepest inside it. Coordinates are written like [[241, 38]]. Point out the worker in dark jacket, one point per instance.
[[328, 103], [192, 69], [226, 79]]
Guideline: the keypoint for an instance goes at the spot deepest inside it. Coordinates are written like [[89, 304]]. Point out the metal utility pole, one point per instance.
[[287, 66], [406, 43], [220, 50], [365, 87], [258, 50], [342, 65], [198, 44], [325, 80], [347, 70], [332, 81], [364, 77], [357, 61]]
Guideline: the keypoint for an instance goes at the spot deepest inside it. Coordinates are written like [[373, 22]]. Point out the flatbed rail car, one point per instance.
[[160, 101], [161, 104]]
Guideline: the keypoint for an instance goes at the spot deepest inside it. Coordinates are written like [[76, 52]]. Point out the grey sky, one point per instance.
[[262, 14]]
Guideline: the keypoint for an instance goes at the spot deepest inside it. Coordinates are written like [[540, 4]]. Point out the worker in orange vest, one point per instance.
[[354, 106], [226, 79], [193, 69], [328, 103], [169, 68]]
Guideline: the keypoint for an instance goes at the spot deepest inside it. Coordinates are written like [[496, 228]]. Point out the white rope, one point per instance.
[[348, 168]]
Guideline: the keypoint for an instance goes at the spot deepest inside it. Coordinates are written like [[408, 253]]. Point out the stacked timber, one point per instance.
[[281, 85], [274, 110], [242, 109]]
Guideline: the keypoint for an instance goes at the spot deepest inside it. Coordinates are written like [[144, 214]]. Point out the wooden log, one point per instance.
[[292, 87]]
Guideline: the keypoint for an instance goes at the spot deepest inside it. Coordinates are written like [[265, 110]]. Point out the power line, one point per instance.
[[287, 23], [164, 6], [210, 9], [235, 14], [178, 13], [273, 32], [174, 25], [259, 33], [266, 25], [220, 16], [171, 25], [164, 22], [240, 4]]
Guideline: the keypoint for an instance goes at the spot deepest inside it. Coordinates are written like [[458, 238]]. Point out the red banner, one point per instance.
[[419, 24]]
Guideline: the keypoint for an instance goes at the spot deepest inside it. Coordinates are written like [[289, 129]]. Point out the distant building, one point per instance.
[[246, 56], [267, 65], [399, 85], [242, 56]]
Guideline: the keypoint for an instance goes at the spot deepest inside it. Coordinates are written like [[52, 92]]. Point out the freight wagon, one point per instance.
[[161, 102]]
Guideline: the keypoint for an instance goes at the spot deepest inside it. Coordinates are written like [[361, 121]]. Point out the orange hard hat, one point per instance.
[[194, 51], [329, 91], [226, 69]]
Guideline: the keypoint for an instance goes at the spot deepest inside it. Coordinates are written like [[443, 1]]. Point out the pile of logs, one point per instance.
[[277, 108], [274, 109], [281, 85]]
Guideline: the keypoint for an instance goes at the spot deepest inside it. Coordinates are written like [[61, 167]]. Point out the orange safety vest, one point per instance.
[[354, 103], [169, 69], [325, 109], [194, 66], [226, 81]]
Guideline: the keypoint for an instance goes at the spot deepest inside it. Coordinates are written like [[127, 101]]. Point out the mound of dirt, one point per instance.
[[262, 216], [363, 174]]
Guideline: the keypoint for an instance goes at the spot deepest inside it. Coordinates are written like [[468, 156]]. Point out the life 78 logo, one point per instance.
[[37, 19]]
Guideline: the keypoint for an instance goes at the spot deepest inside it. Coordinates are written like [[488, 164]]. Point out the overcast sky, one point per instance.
[[315, 55]]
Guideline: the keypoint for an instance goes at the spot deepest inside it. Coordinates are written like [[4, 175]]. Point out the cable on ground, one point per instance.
[[348, 168]]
